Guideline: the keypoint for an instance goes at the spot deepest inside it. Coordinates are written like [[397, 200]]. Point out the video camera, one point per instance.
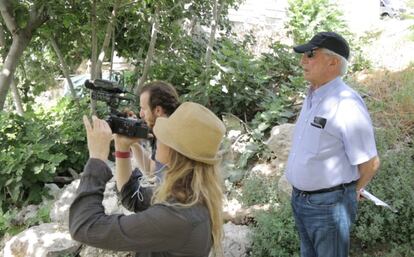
[[109, 92]]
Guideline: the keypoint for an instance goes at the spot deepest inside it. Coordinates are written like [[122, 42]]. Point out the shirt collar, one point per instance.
[[324, 89], [318, 94]]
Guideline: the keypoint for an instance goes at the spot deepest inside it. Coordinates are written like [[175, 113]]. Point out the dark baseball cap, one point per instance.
[[329, 40]]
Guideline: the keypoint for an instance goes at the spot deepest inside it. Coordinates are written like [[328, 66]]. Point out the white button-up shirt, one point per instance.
[[333, 134]]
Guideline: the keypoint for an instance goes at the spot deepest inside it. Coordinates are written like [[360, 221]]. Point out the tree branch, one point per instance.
[[36, 18], [2, 37], [109, 28], [8, 17], [150, 53]]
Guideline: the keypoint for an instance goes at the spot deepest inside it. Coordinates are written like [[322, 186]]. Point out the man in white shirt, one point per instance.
[[333, 154]]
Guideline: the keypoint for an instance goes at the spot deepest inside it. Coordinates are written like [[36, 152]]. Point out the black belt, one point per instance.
[[326, 190]]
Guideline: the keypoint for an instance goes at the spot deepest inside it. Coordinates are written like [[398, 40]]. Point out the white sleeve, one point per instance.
[[356, 130]]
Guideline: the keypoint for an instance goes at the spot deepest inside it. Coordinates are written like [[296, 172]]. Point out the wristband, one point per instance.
[[122, 155]]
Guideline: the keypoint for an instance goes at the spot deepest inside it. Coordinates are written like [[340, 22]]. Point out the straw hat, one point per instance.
[[192, 130]]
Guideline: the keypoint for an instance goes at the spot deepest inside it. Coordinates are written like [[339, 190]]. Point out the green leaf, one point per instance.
[[38, 168]]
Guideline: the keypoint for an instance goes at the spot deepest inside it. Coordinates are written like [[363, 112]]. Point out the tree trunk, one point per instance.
[[21, 38], [212, 36], [107, 40], [150, 53], [138, 59], [192, 25], [2, 42], [17, 98], [94, 41], [16, 50], [112, 54], [64, 67]]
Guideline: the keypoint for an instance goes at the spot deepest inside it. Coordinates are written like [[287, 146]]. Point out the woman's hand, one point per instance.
[[123, 143], [99, 136]]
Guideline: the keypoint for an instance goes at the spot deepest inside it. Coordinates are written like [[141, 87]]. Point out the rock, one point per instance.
[[25, 214], [3, 242], [110, 202], [234, 212], [45, 240], [284, 188], [263, 169], [237, 242], [232, 122], [280, 141], [54, 190], [60, 210]]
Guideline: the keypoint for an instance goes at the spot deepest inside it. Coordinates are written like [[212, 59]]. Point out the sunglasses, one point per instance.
[[310, 53]]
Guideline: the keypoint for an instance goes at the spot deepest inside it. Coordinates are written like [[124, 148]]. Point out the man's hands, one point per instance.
[[367, 171], [99, 136]]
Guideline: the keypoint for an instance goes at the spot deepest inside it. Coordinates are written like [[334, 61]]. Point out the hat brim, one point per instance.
[[304, 48], [164, 135]]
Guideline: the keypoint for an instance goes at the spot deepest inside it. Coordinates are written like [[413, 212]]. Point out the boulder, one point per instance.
[[45, 240], [237, 242], [60, 209], [280, 141]]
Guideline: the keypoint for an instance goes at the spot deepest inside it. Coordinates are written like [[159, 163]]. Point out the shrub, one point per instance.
[[308, 17], [66, 119], [237, 81], [35, 147], [8, 223], [377, 232], [27, 159], [394, 183], [258, 189], [274, 234]]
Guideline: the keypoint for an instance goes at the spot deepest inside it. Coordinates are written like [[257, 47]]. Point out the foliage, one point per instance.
[[30, 76], [308, 17], [394, 250], [35, 148], [27, 158], [236, 75], [9, 224], [274, 234], [261, 91], [240, 83], [66, 119], [395, 184], [391, 96], [135, 21], [284, 75], [181, 67], [377, 232], [285, 87], [258, 189]]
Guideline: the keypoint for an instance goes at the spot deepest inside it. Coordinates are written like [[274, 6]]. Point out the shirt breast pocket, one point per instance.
[[312, 138]]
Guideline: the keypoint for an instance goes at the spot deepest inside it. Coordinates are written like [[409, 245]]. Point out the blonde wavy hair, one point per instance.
[[191, 182]]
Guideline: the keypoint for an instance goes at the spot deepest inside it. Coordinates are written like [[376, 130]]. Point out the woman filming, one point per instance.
[[185, 214]]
